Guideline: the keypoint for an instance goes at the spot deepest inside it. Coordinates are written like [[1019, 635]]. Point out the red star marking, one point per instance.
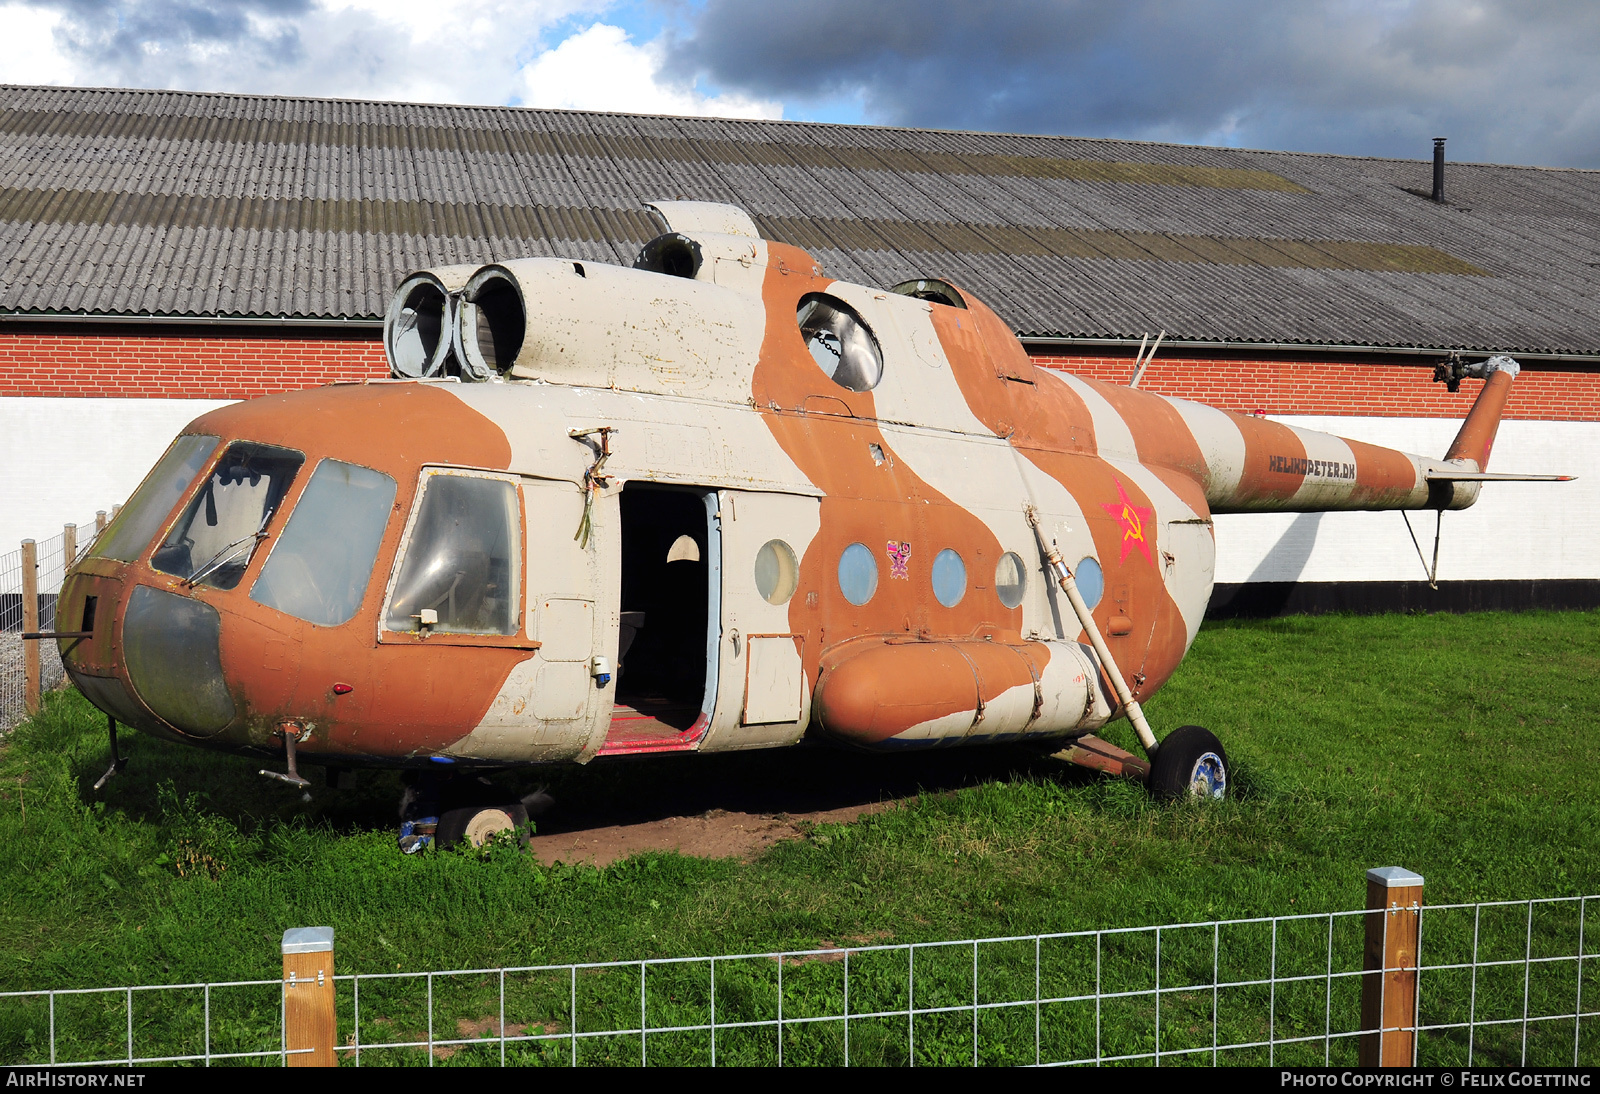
[[1131, 518]]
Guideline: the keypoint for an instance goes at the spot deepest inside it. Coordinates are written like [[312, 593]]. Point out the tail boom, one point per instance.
[[1285, 469]]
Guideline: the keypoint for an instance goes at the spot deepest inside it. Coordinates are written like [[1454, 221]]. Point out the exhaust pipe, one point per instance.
[[417, 328], [1438, 169]]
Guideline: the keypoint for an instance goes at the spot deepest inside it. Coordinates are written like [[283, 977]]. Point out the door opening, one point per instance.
[[668, 642]]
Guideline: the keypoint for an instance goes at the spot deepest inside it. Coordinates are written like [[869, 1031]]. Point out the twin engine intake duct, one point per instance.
[[461, 321], [419, 329], [471, 321]]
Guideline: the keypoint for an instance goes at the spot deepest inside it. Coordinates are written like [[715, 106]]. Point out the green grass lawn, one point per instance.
[[1462, 747]]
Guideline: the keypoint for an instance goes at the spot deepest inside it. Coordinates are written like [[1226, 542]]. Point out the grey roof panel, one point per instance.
[[138, 202]]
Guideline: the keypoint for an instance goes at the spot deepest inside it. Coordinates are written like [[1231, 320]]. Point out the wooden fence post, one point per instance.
[[69, 549], [309, 1019], [30, 623], [99, 521], [1389, 980]]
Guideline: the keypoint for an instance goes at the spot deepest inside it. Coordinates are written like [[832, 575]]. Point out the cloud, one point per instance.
[[482, 51], [602, 69], [127, 36], [1507, 80], [32, 56], [433, 51]]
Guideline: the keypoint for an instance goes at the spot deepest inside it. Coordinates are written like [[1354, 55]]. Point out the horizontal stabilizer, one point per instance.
[[1487, 476]]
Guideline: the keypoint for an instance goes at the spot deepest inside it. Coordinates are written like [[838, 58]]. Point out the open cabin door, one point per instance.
[[764, 698], [669, 620]]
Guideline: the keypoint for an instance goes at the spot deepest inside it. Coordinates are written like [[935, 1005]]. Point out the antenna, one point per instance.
[[1142, 362]]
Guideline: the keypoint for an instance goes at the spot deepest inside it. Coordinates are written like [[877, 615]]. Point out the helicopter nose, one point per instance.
[[172, 646]]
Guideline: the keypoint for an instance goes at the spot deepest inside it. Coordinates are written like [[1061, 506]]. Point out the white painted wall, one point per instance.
[[62, 459], [1515, 531]]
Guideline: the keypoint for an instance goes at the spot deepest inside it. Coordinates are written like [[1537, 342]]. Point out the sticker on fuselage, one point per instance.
[[899, 559]]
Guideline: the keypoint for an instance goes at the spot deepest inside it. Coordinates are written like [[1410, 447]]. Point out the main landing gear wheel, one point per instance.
[[1189, 764], [478, 824]]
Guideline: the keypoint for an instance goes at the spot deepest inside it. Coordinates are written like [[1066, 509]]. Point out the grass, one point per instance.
[[1462, 747]]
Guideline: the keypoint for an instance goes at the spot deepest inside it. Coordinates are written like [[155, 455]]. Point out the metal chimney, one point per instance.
[[1438, 169]]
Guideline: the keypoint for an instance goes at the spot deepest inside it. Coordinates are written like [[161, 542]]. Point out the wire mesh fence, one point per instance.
[[52, 563], [11, 683], [1502, 983]]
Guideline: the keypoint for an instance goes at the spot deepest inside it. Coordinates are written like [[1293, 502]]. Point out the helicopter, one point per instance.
[[714, 501]]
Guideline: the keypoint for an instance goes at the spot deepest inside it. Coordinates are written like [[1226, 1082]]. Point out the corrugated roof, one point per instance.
[[177, 204]]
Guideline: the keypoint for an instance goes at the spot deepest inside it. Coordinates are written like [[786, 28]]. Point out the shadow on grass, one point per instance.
[[813, 777]]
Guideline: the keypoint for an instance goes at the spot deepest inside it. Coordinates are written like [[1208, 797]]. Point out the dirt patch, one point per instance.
[[490, 1027], [488, 1031], [738, 804], [716, 833], [837, 950]]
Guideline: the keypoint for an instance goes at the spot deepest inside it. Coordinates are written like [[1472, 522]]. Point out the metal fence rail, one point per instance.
[[1504, 982]]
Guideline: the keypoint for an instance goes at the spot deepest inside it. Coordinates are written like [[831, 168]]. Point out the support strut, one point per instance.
[[289, 732], [1438, 523], [117, 761], [1070, 586]]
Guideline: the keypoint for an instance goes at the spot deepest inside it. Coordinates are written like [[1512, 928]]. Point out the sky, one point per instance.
[[1507, 81]]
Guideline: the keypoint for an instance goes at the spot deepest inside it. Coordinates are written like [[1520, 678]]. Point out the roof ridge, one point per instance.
[[488, 108]]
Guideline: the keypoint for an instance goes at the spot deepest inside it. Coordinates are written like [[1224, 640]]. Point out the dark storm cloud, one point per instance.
[[141, 39], [1506, 80]]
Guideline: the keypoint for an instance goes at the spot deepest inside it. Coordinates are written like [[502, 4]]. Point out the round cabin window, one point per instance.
[[1010, 579], [777, 572], [858, 573], [1091, 582], [949, 578], [840, 343]]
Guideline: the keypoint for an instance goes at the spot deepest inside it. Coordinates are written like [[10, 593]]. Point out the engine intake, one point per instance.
[[418, 327]]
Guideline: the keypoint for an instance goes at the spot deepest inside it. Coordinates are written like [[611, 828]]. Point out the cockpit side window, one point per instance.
[[461, 564], [217, 535], [322, 563], [141, 518]]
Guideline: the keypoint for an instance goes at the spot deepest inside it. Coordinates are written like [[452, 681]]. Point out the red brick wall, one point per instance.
[[1401, 390], [211, 363], [185, 363]]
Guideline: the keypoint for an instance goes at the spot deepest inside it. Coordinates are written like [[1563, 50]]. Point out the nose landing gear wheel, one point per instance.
[[477, 825], [1190, 763]]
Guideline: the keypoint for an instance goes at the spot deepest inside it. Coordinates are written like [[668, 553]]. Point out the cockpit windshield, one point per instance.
[[128, 535], [213, 541], [322, 563]]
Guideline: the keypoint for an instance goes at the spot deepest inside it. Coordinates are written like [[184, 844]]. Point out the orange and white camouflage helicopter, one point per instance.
[[712, 502]]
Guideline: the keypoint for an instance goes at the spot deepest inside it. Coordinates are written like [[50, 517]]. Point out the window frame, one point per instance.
[[516, 640], [275, 523]]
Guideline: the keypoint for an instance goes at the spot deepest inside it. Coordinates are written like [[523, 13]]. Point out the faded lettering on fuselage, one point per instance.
[[1311, 469]]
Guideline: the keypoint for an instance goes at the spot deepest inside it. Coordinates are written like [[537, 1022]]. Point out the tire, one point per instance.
[[477, 824], [1190, 763]]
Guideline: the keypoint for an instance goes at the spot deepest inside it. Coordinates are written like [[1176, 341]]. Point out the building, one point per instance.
[[166, 251]]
